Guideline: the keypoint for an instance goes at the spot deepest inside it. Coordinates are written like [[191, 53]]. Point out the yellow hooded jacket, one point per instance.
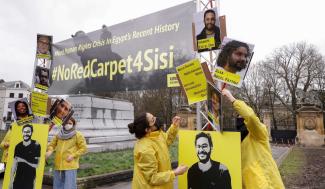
[[6, 139], [75, 146], [152, 166], [259, 169]]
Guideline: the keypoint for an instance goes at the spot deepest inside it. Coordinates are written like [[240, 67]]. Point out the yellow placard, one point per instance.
[[39, 103], [172, 80], [45, 56], [26, 156], [228, 77], [57, 121], [193, 81], [207, 43], [225, 150], [213, 119], [23, 121], [39, 86]]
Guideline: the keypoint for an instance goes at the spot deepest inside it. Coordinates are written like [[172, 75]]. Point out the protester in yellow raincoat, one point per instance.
[[5, 146], [69, 145], [259, 170], [152, 166]]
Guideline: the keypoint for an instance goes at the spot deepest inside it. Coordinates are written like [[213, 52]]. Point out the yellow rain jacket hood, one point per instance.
[[74, 146], [259, 170], [152, 166]]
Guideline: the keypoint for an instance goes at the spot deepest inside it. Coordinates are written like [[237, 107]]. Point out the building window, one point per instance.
[[9, 116], [17, 85], [11, 95], [20, 95]]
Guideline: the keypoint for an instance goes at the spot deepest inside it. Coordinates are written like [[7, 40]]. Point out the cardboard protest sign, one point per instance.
[[198, 150], [44, 47], [41, 78], [39, 103], [21, 111], [26, 159], [233, 61], [60, 112], [193, 81], [214, 106], [43, 61], [172, 80], [207, 30]]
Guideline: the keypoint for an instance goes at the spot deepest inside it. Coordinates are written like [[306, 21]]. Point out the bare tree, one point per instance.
[[294, 67], [270, 84], [160, 102], [319, 83], [252, 88]]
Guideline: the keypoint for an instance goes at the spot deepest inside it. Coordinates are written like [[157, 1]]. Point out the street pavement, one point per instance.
[[277, 151]]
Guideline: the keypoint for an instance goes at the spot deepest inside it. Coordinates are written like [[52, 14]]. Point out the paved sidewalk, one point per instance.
[[279, 153], [125, 185]]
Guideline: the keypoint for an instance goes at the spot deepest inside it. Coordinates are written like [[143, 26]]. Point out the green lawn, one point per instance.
[[106, 162], [292, 166]]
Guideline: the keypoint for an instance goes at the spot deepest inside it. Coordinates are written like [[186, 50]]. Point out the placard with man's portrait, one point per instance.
[[42, 65], [207, 30], [213, 159], [42, 78], [25, 165], [44, 46], [233, 61]]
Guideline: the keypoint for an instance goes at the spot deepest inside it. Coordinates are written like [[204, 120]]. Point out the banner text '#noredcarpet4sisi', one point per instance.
[[147, 60]]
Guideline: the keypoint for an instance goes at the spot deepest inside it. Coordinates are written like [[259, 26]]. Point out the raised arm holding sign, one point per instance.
[[258, 166]]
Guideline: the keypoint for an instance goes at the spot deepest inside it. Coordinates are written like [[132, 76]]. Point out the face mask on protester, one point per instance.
[[241, 127], [68, 127], [159, 123]]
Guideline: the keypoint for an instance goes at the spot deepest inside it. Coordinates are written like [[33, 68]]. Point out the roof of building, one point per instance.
[[309, 108], [11, 85]]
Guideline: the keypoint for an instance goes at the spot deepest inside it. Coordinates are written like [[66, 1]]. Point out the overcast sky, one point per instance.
[[267, 24]]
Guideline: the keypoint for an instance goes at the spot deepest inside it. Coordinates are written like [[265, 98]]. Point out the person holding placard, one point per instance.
[[152, 166], [69, 145], [5, 146], [259, 169]]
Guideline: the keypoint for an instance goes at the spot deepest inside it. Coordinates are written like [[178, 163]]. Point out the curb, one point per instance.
[[282, 157], [103, 179]]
